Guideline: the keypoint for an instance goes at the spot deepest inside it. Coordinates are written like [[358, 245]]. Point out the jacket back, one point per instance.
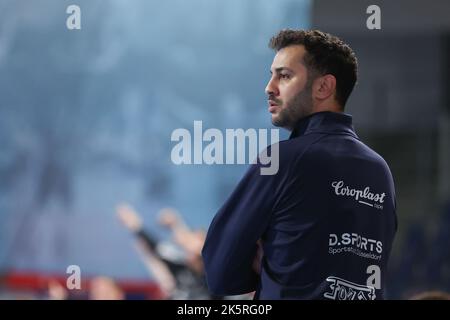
[[327, 220]]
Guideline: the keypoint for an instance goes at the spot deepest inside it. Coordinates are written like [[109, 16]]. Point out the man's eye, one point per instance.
[[284, 76]]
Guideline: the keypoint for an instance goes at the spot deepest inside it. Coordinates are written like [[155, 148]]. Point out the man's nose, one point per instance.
[[271, 88]]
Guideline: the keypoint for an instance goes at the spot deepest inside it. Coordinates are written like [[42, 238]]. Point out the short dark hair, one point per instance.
[[325, 54]]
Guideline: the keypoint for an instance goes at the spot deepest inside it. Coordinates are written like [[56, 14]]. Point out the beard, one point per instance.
[[295, 109]]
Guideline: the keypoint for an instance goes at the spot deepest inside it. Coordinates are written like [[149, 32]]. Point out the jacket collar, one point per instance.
[[324, 122]]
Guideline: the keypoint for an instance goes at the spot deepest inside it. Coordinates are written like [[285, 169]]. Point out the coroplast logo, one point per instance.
[[376, 199]]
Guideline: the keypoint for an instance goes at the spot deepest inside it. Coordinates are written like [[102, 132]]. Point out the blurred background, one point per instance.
[[86, 118]]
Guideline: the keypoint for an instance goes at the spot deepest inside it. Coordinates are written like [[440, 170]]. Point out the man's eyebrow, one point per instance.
[[278, 70]]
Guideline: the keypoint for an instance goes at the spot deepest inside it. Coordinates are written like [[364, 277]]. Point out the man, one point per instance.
[[326, 221]]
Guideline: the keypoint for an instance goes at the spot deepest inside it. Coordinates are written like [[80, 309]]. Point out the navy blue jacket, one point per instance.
[[327, 220]]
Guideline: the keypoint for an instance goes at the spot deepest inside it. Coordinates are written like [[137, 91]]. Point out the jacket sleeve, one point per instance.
[[230, 245]]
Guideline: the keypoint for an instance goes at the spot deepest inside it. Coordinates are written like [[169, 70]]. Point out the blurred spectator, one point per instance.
[[439, 257], [56, 291], [409, 271], [105, 288], [100, 288], [178, 277], [418, 267], [431, 295]]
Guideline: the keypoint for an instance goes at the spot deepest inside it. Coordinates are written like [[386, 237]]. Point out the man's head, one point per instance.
[[312, 71]]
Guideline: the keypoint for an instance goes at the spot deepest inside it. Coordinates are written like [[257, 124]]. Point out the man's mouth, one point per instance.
[[272, 106]]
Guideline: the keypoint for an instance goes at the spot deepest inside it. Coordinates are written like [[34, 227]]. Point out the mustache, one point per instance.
[[274, 100]]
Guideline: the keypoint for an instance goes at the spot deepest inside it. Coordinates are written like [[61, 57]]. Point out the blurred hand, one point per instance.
[[105, 288], [169, 218], [56, 291], [129, 217]]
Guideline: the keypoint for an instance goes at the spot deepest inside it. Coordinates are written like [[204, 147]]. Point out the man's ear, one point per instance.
[[324, 87]]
